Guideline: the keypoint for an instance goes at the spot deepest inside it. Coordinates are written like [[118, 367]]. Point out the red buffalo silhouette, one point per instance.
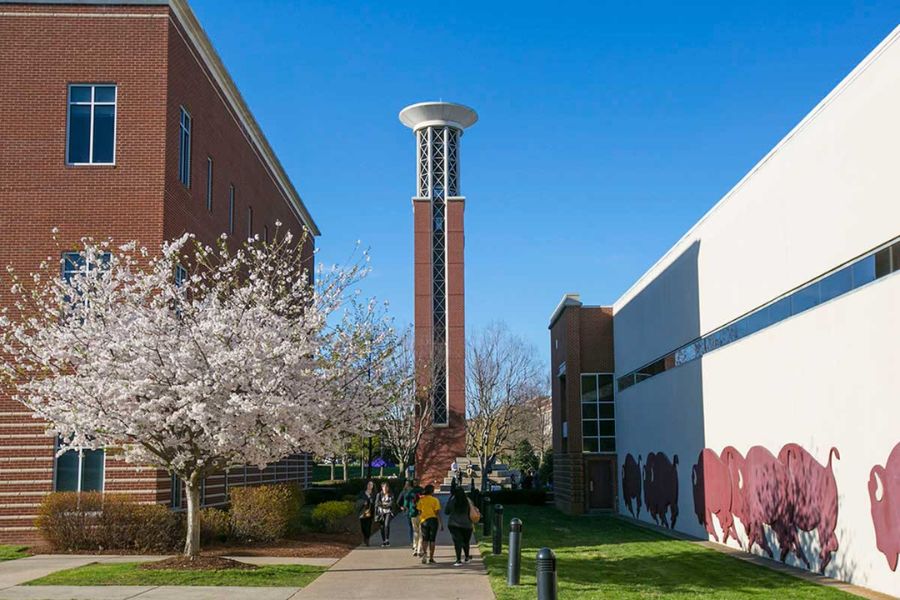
[[631, 484], [886, 511], [734, 460], [812, 500], [713, 488], [765, 499], [661, 488]]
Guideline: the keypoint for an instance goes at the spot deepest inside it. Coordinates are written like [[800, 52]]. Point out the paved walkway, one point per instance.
[[377, 573], [365, 573]]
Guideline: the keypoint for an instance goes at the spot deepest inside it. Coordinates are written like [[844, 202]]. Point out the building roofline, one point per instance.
[[571, 299], [222, 77], [689, 236]]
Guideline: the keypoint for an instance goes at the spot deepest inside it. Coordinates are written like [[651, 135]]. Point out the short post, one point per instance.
[[498, 530], [546, 574], [514, 563], [486, 514]]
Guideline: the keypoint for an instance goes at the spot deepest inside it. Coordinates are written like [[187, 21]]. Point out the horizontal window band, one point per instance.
[[856, 273]]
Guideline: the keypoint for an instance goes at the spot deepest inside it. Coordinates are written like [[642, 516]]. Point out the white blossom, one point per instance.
[[244, 362]]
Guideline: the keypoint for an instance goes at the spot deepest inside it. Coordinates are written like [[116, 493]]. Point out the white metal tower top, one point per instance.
[[437, 114]]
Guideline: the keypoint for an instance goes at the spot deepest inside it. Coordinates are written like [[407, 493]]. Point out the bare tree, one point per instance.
[[407, 415], [502, 375]]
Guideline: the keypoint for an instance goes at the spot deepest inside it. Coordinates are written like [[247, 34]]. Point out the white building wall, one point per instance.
[[829, 192]]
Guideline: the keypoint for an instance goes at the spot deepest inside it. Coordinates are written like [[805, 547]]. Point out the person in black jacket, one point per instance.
[[460, 523], [365, 504], [384, 512]]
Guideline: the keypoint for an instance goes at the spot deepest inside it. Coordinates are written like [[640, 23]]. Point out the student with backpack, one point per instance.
[[408, 498]]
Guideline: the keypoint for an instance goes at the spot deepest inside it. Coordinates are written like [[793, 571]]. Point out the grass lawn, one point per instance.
[[604, 557], [129, 574], [12, 552]]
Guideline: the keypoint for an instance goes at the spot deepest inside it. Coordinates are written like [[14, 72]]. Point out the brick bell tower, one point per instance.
[[440, 341]]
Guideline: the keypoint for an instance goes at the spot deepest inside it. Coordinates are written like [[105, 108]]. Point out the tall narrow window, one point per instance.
[[209, 183], [79, 471], [184, 149], [266, 233], [249, 221], [91, 127], [231, 209]]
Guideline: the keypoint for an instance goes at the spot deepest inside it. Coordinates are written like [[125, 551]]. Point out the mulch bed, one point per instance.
[[312, 545], [197, 563]]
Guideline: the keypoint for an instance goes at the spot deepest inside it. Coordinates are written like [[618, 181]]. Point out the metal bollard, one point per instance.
[[498, 529], [546, 575], [514, 563], [486, 515]]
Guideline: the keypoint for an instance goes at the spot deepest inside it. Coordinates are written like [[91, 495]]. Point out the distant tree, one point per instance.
[[194, 359], [502, 375], [524, 457]]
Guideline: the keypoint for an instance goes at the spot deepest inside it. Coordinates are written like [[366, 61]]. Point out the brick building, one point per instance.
[[119, 120], [582, 407]]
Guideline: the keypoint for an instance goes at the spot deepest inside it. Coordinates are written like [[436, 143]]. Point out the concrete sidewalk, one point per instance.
[[370, 573]]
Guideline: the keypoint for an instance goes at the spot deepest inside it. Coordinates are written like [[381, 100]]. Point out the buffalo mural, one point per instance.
[[790, 493], [631, 484], [713, 493], [661, 488], [885, 482]]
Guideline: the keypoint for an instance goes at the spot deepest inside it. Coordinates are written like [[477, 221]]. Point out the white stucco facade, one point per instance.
[[827, 377]]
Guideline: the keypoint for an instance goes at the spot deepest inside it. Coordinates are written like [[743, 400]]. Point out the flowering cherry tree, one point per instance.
[[196, 358]]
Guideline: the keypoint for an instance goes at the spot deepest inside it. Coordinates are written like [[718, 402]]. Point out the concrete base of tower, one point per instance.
[[437, 450]]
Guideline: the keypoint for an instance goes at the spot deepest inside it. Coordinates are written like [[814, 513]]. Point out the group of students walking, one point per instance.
[[423, 513]]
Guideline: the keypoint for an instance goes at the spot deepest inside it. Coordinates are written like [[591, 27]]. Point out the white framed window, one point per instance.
[[175, 488], [231, 209], [184, 148], [75, 471], [91, 124], [209, 183]]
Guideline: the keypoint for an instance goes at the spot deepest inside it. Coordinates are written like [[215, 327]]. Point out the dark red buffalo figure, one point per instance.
[[712, 494], [631, 484], [764, 494], [661, 487], [886, 509], [734, 460], [811, 499]]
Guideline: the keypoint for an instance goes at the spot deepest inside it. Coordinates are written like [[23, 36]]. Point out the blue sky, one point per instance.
[[606, 129]]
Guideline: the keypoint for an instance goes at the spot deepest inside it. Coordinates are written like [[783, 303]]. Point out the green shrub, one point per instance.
[[215, 525], [68, 520], [318, 495], [95, 521], [264, 512], [336, 516]]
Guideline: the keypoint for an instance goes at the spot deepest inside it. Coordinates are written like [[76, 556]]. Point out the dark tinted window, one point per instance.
[[805, 298], [882, 262]]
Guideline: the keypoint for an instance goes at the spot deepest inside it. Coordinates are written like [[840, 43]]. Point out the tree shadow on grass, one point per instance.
[[650, 571]]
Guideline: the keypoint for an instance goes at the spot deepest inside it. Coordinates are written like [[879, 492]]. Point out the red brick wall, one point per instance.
[[156, 71], [582, 338], [440, 446]]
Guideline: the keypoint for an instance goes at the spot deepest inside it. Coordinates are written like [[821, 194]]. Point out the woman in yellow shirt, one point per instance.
[[430, 517]]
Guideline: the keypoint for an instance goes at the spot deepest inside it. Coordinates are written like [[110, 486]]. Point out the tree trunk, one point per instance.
[[332, 469], [344, 474], [192, 543], [401, 464]]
